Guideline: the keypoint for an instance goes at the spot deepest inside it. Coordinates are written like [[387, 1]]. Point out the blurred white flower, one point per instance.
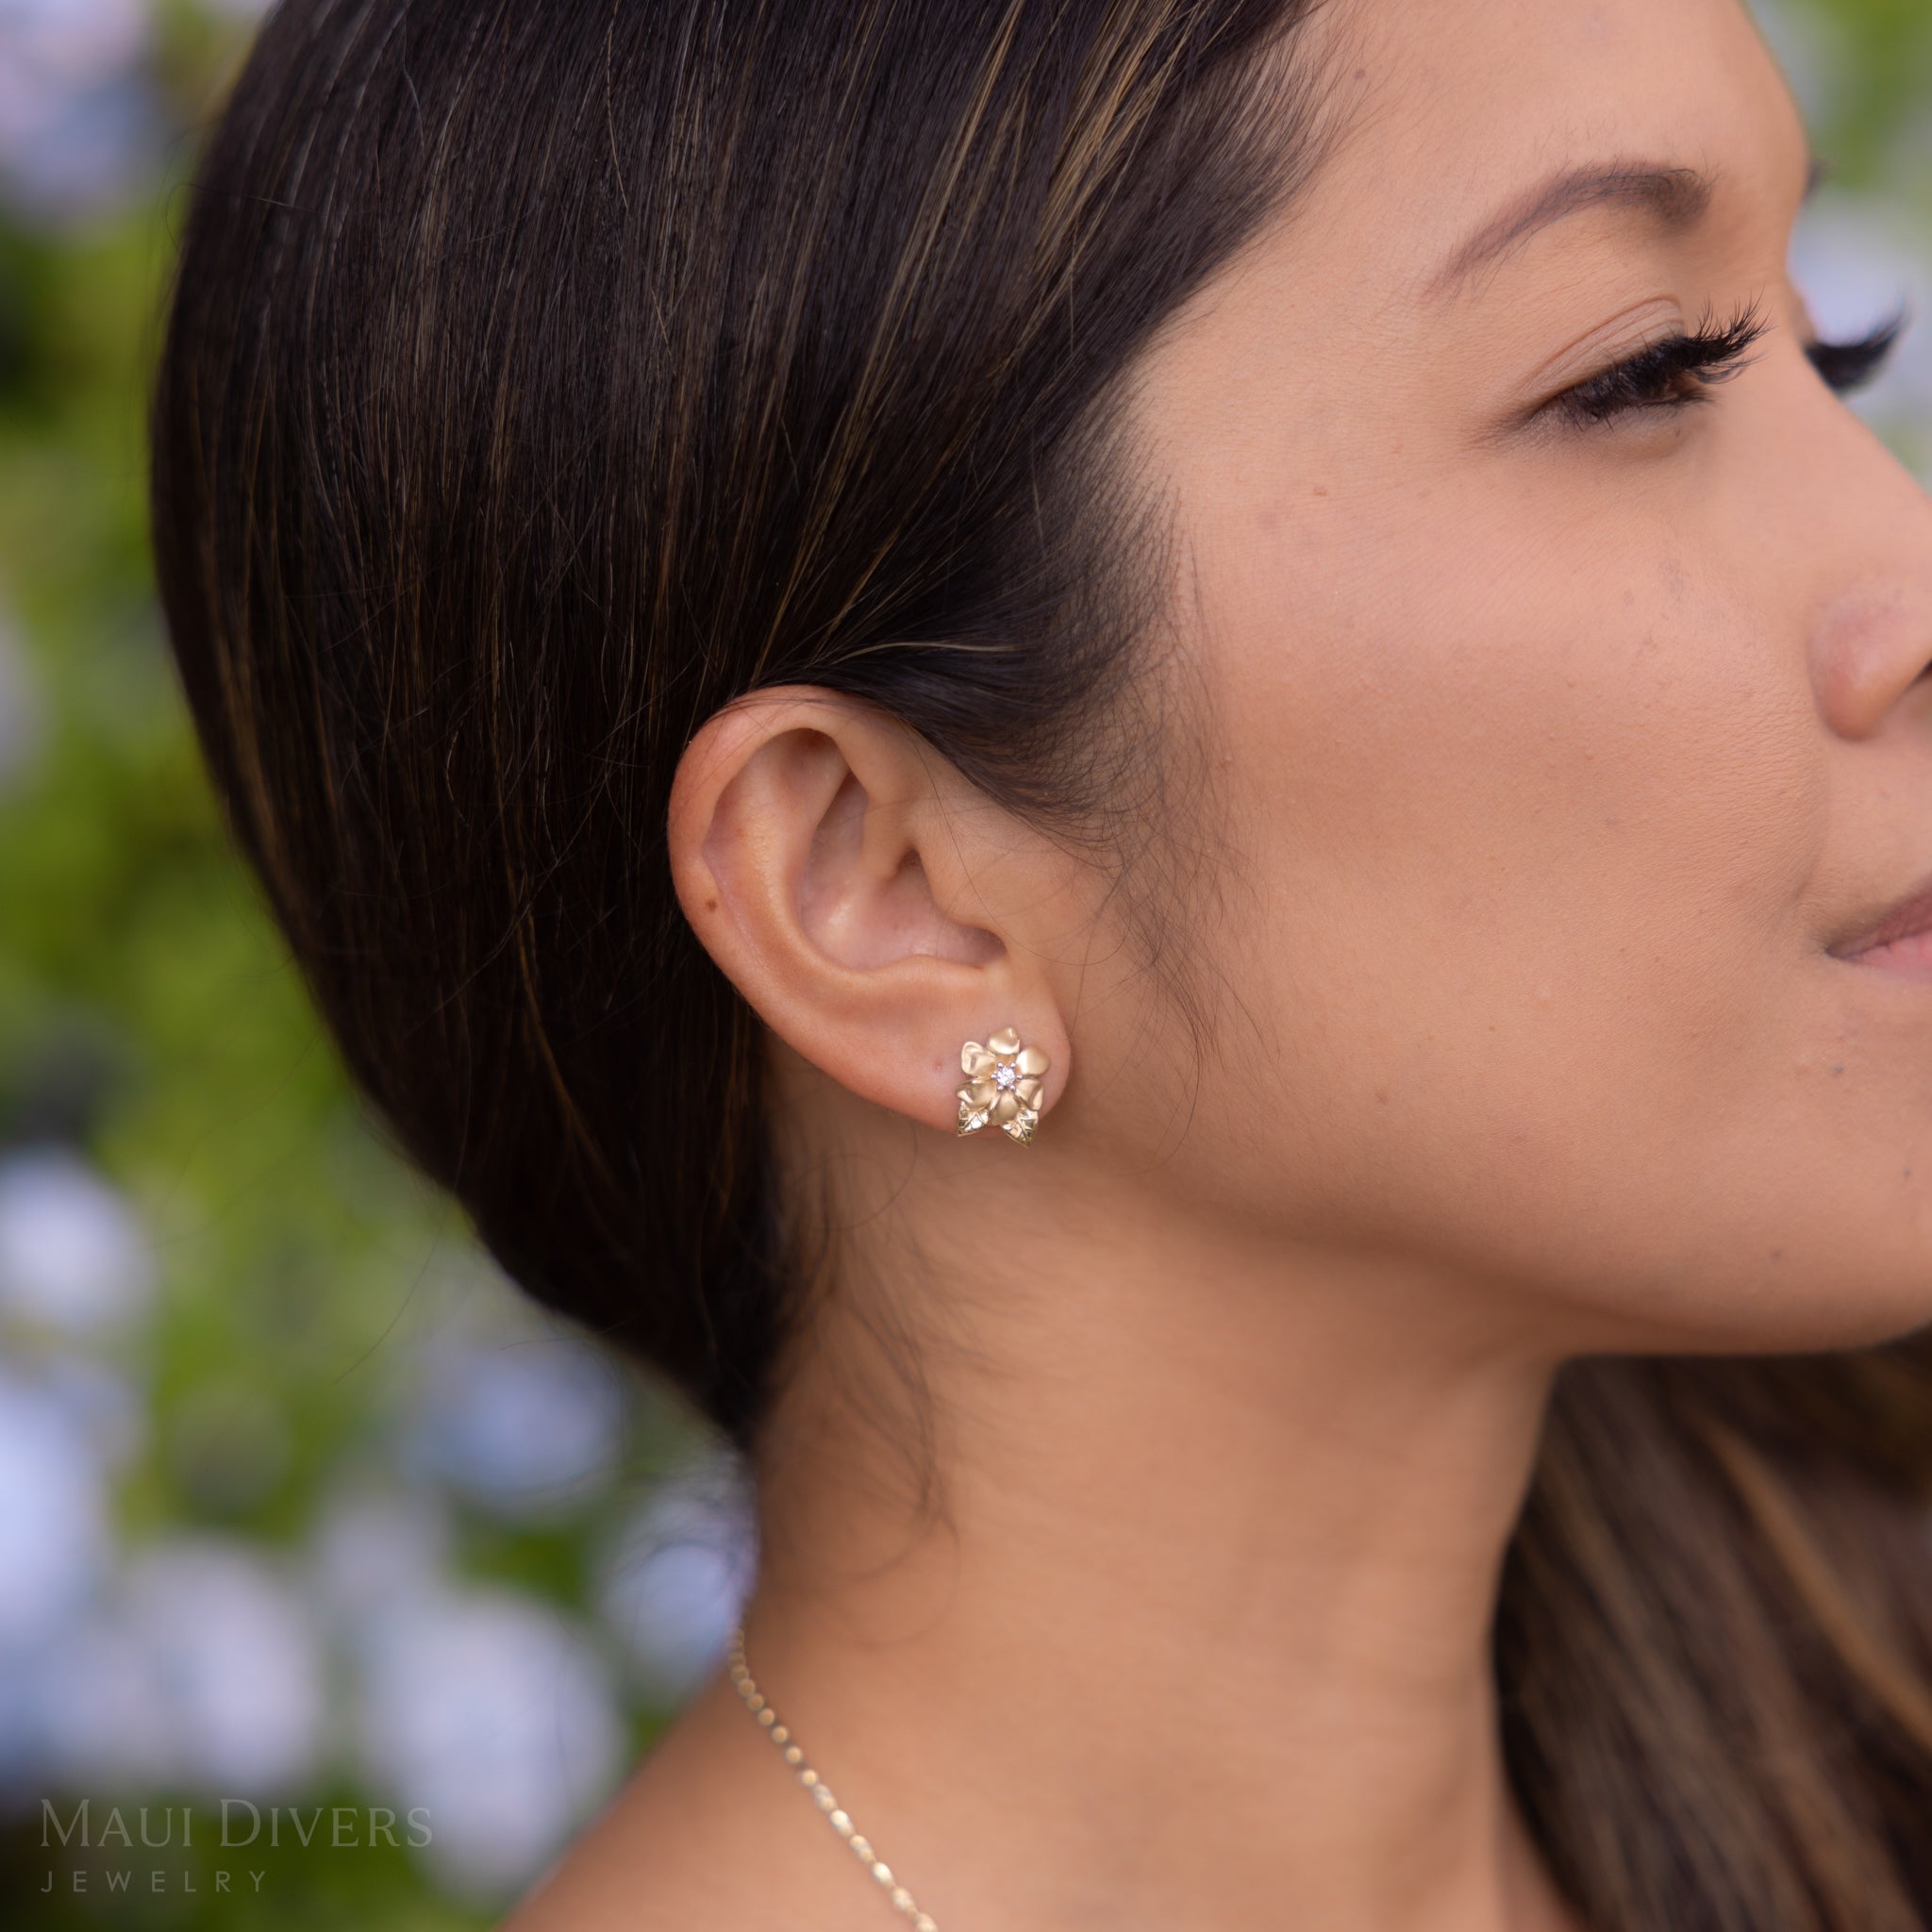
[[203, 1673], [528, 1427], [492, 1713], [54, 1537], [678, 1576], [73, 1256]]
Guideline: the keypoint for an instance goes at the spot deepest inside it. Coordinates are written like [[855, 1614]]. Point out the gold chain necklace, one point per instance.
[[755, 1702]]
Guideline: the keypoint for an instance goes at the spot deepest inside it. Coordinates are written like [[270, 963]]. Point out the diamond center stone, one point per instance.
[[1005, 1076]]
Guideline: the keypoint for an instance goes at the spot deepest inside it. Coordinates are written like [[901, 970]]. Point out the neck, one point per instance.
[[1200, 1629]]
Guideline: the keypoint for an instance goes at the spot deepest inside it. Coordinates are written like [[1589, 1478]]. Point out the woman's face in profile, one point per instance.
[[1570, 726]]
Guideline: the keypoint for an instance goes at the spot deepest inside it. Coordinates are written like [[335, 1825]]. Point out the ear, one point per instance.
[[876, 911]]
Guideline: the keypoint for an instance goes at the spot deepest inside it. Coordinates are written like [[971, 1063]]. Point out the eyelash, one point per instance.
[[1685, 369]]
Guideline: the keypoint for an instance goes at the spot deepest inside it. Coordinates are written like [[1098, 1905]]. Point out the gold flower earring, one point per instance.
[[1002, 1086]]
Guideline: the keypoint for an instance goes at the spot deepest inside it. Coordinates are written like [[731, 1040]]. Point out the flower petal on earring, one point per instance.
[[1028, 1090], [1032, 1061], [981, 1091], [1005, 1107], [971, 1118], [974, 1060], [1006, 1043]]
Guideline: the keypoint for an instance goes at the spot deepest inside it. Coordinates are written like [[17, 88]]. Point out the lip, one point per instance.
[[1907, 919]]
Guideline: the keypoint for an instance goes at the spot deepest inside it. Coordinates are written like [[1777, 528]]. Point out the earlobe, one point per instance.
[[838, 872]]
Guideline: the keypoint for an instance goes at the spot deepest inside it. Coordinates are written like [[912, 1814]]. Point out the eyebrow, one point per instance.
[[1677, 197]]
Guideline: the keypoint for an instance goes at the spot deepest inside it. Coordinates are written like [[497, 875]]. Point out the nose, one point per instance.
[[1871, 640]]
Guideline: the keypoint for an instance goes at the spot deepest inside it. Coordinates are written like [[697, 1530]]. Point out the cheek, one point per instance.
[[1555, 776], [1528, 834]]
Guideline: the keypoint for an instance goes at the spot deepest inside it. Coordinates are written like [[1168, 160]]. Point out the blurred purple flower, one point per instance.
[[102, 1404], [528, 1426], [53, 1539], [678, 1576], [73, 1256], [374, 1551], [203, 1671], [494, 1715], [78, 125]]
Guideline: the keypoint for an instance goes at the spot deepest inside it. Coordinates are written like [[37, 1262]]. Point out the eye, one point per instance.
[[1846, 366], [1681, 370], [1687, 368]]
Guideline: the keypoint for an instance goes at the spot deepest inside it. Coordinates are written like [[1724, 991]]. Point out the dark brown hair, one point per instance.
[[539, 377]]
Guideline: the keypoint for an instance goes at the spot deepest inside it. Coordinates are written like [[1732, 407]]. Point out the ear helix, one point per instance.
[[1002, 1086]]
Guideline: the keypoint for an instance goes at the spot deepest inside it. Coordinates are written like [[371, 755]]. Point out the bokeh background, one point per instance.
[[300, 1504]]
